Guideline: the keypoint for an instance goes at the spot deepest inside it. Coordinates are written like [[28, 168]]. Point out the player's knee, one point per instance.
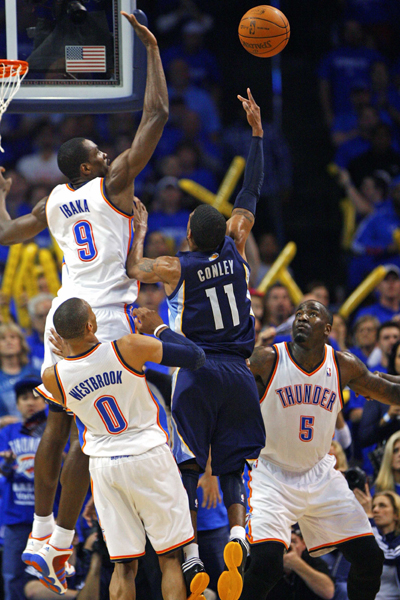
[[232, 487], [190, 479], [266, 563]]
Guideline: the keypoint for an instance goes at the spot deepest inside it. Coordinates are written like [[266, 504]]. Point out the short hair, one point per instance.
[[70, 318], [33, 302], [208, 227], [328, 313], [71, 155], [388, 325]]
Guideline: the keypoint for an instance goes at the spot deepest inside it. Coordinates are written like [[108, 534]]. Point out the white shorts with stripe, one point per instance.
[[319, 500], [139, 495], [113, 322]]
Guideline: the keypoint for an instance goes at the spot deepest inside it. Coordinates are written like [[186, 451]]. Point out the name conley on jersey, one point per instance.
[[219, 269], [91, 384]]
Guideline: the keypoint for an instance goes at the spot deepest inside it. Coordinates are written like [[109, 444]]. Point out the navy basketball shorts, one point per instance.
[[217, 406]]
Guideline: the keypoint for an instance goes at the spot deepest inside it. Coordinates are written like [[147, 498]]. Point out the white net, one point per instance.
[[11, 75]]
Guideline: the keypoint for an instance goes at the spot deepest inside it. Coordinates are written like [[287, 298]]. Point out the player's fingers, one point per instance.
[[250, 95], [241, 98]]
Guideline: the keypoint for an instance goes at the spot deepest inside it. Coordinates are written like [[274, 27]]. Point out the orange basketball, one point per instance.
[[264, 31]]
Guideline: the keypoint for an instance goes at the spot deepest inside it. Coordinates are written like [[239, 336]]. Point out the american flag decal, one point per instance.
[[85, 59]]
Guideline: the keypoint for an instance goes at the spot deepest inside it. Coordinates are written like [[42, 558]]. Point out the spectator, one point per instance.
[[192, 167], [18, 445], [384, 512], [367, 121], [372, 193], [306, 577], [169, 217], [196, 99], [257, 303], [380, 156], [269, 250], [339, 332], [158, 245], [389, 473], [375, 240], [388, 305], [365, 336], [38, 308], [14, 365], [41, 166], [203, 64], [341, 67], [379, 421], [384, 95], [278, 305], [317, 290], [338, 452]]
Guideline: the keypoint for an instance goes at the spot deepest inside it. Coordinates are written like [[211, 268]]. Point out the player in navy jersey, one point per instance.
[[209, 302]]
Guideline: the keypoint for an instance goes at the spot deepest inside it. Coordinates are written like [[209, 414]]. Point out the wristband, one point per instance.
[[157, 329], [387, 418]]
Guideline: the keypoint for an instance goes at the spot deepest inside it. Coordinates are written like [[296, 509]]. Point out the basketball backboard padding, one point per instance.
[[82, 97]]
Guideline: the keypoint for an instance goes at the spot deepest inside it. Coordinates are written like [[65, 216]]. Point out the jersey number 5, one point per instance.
[[306, 428], [83, 234], [211, 293], [111, 415]]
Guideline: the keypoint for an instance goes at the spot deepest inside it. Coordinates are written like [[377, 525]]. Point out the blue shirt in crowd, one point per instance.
[[8, 400]]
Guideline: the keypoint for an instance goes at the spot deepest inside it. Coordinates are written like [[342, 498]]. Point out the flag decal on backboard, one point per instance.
[[85, 59]]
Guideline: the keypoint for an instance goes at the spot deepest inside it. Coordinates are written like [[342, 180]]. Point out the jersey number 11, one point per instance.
[[211, 293]]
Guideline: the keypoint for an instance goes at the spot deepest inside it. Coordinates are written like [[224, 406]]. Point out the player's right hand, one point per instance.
[[140, 215], [143, 33], [146, 320], [5, 184]]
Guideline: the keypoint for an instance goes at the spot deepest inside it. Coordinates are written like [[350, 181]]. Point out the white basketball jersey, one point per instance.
[[299, 410], [115, 411], [95, 238]]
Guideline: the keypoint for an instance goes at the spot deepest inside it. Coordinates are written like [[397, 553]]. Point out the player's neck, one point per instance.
[[308, 357], [83, 346]]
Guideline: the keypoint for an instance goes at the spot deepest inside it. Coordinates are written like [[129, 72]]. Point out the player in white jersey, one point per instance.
[[91, 219], [136, 483], [294, 479]]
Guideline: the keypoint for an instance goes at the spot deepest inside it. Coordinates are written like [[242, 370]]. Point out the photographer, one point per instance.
[[384, 512], [306, 577]]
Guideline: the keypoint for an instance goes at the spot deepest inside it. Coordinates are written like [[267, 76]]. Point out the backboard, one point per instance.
[[83, 55]]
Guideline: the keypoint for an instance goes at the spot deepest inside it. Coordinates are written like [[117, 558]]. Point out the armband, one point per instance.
[[253, 177]]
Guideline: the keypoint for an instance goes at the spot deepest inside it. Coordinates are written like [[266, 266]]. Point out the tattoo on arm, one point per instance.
[[244, 213], [146, 265]]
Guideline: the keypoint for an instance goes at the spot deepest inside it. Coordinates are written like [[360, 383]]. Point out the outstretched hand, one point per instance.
[[59, 346], [143, 33], [5, 184], [253, 113]]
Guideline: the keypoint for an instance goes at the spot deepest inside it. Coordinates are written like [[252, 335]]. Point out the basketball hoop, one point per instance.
[[12, 73]]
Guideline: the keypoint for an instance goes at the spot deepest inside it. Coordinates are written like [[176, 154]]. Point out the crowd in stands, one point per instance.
[[359, 87]]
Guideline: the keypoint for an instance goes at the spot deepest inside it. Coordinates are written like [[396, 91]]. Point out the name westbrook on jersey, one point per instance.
[[94, 383]]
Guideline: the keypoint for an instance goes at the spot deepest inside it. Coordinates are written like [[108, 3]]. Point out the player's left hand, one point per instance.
[[140, 216], [253, 113], [60, 346], [210, 487], [143, 33], [146, 320]]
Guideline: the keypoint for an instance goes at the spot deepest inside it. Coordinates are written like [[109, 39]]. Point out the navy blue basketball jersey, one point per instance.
[[211, 304]]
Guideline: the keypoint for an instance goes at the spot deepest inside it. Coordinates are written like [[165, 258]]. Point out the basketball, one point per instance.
[[264, 31]]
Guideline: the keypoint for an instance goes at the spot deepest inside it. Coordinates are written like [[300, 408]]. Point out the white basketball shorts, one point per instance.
[[112, 323], [319, 500], [139, 495]]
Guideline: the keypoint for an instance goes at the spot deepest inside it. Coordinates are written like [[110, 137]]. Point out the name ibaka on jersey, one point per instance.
[[91, 384], [74, 208], [311, 394]]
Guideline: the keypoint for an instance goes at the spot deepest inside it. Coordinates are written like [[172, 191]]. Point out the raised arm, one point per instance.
[[171, 349], [15, 231], [165, 269], [242, 220], [356, 375], [127, 165]]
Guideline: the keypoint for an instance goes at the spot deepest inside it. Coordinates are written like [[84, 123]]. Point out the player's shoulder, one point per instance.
[[349, 364]]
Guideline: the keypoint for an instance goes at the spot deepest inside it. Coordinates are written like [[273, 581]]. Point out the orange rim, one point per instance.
[[9, 68]]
